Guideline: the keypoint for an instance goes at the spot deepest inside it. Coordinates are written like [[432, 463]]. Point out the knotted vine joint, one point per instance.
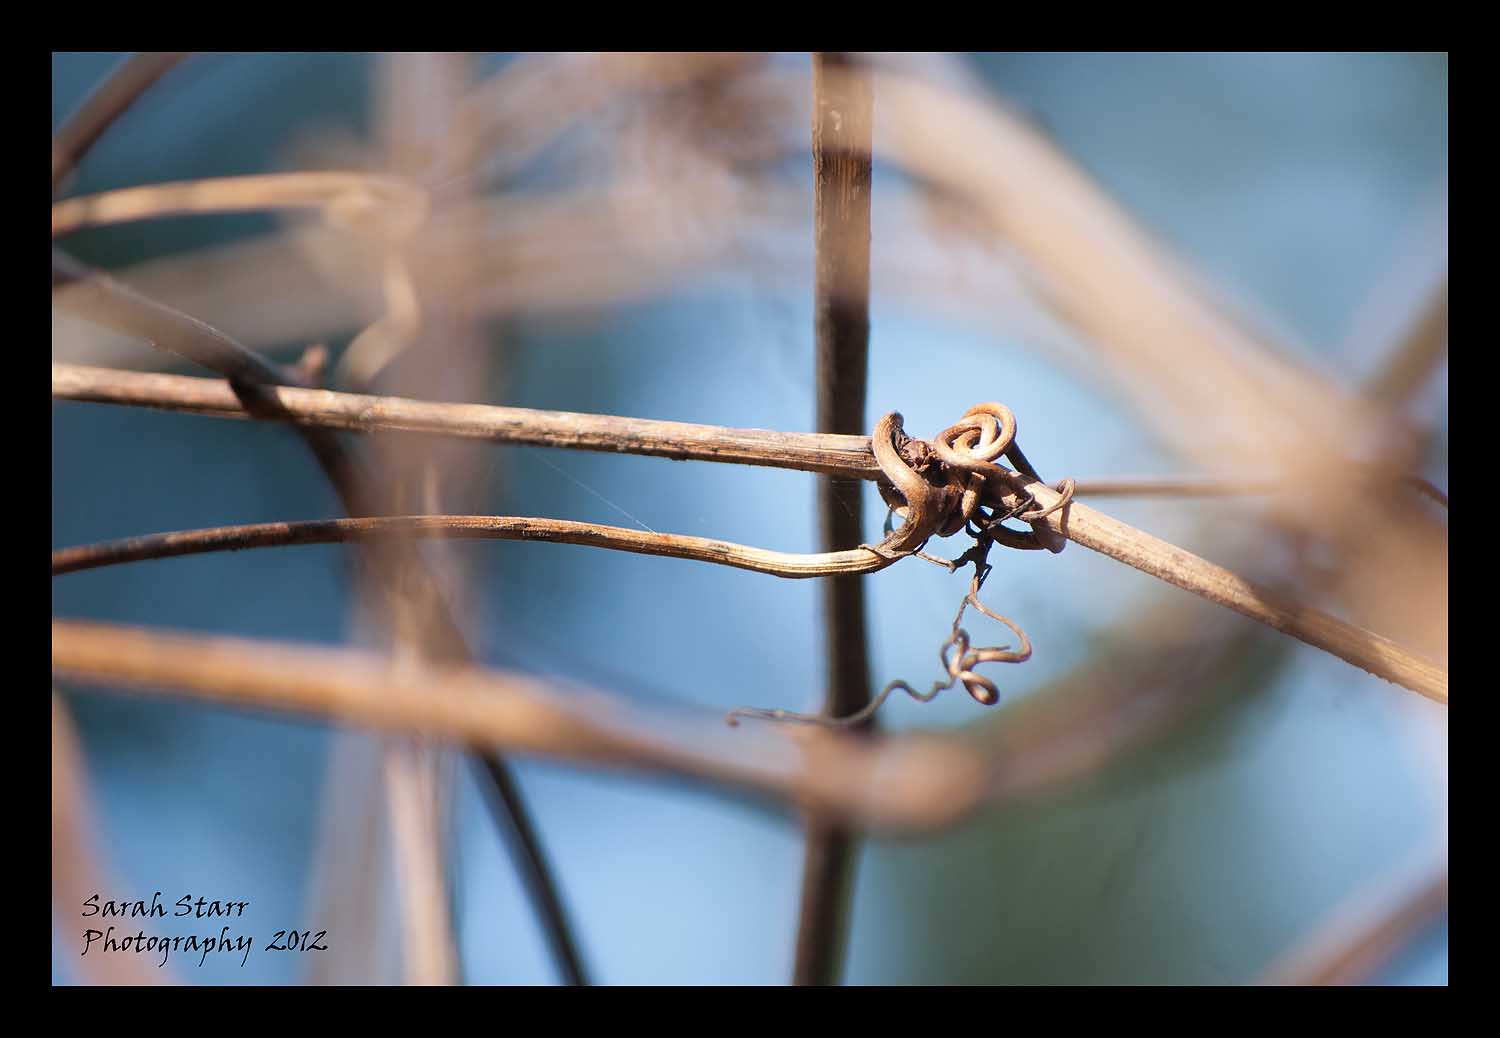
[[938, 488], [954, 483]]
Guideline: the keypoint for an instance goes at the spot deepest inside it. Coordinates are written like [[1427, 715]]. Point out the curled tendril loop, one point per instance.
[[923, 503], [957, 655], [938, 488]]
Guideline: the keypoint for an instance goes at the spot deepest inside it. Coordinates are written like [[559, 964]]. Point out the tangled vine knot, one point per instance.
[[939, 488]]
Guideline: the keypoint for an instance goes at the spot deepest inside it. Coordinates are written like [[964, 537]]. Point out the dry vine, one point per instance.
[[841, 455], [950, 484]]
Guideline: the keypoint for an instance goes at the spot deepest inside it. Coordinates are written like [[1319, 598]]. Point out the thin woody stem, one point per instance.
[[847, 456], [1353, 954], [841, 151], [121, 89], [1136, 548], [463, 527], [906, 783], [1417, 355], [350, 197], [842, 456], [254, 383]]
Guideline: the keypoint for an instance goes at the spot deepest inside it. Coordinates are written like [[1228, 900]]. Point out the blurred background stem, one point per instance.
[[841, 153]]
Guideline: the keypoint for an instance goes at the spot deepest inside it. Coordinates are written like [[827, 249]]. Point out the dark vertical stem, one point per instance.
[[120, 89], [842, 111], [510, 811]]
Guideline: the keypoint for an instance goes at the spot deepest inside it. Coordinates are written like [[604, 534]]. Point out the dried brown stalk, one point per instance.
[[254, 382], [1136, 548], [536, 98], [1367, 933], [78, 870], [1172, 350], [427, 948], [350, 199], [1208, 486], [464, 527], [846, 456], [841, 153], [1413, 360], [414, 782], [561, 252], [103, 300], [121, 89], [1206, 382], [912, 782], [909, 783]]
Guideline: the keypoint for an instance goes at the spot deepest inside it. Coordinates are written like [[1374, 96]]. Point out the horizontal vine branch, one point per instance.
[[847, 456], [836, 455], [464, 527], [908, 782], [1364, 649], [349, 197]]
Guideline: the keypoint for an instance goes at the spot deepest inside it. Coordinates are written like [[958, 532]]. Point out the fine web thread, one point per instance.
[[841, 493], [580, 483]]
